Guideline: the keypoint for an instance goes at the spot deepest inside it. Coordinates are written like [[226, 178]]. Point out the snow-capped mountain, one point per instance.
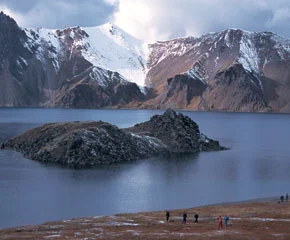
[[74, 67], [252, 50], [231, 70], [260, 82], [106, 46]]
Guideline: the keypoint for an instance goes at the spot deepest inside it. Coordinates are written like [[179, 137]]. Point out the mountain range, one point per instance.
[[105, 67]]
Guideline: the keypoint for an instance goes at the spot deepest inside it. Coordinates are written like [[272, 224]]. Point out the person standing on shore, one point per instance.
[[220, 222], [282, 199], [226, 219], [184, 218], [286, 197], [196, 218], [167, 216]]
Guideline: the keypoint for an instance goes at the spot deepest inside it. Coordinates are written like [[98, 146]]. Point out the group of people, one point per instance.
[[220, 221], [184, 219], [286, 198]]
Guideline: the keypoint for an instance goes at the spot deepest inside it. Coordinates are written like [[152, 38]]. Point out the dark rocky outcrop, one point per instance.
[[87, 144], [12, 64], [83, 144], [236, 90], [85, 91], [180, 133], [181, 91]]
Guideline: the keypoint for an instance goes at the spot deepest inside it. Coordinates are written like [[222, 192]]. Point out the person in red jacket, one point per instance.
[[220, 222]]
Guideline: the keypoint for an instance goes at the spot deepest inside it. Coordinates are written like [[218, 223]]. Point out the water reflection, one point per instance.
[[256, 166]]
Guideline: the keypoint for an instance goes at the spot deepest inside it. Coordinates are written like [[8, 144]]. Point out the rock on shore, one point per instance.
[[87, 144]]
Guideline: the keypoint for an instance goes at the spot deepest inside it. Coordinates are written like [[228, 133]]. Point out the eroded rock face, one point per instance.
[[259, 61], [236, 90], [99, 67], [180, 133], [83, 144], [85, 91], [87, 144]]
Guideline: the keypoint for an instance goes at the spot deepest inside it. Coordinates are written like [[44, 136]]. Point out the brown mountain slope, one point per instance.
[[231, 70], [240, 71]]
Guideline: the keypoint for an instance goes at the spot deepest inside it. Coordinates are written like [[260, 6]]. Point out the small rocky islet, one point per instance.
[[88, 144]]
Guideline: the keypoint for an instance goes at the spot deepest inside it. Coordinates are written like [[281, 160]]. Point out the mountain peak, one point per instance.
[[239, 31], [11, 36], [111, 29], [7, 20]]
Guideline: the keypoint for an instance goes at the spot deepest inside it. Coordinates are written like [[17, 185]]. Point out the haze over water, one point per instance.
[[257, 166]]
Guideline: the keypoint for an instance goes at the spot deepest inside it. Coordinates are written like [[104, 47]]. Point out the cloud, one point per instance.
[[163, 19], [155, 19], [17, 17], [60, 13], [280, 21]]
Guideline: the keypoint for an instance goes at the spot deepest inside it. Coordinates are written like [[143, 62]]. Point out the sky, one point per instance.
[[155, 19]]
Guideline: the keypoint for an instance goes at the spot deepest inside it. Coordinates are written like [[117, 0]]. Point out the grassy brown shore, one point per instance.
[[256, 219]]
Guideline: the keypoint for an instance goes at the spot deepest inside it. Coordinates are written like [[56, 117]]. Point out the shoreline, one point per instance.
[[254, 200], [149, 109], [263, 217]]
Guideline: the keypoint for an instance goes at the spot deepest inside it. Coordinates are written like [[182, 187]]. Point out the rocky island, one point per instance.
[[88, 144]]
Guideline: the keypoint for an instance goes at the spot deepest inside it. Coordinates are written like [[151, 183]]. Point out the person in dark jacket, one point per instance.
[[282, 199], [286, 197], [167, 216], [184, 218], [196, 218]]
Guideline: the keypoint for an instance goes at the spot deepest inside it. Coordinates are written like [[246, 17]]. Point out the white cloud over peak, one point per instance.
[[155, 19], [163, 19], [60, 13]]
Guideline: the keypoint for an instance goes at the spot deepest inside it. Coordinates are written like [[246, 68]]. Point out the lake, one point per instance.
[[257, 166]]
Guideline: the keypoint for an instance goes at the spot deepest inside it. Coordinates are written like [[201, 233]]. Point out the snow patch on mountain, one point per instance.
[[248, 53], [195, 74], [282, 46], [227, 38], [146, 51], [47, 44], [168, 49], [99, 75], [23, 61], [105, 77], [111, 48]]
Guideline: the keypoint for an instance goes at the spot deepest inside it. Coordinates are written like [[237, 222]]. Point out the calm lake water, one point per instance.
[[257, 165]]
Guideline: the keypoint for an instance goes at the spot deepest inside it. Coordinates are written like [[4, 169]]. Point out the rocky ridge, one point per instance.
[[178, 132], [51, 68], [87, 144], [104, 67], [252, 65]]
